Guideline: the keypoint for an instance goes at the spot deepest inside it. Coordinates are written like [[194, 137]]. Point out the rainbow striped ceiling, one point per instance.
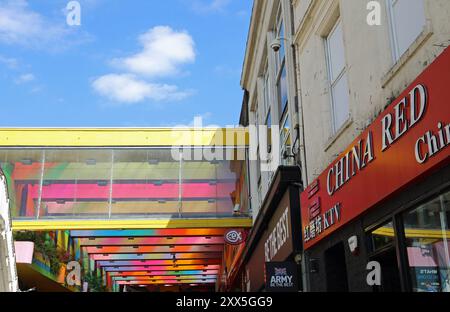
[[154, 256]]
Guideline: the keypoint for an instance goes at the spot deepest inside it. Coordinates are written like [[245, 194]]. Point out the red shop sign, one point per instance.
[[410, 138]]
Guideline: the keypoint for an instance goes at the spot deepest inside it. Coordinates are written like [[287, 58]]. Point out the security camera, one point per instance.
[[275, 45]]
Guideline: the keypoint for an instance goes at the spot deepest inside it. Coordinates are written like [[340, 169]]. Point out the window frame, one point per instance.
[[342, 75], [395, 48], [396, 216], [280, 63], [284, 138], [268, 124], [266, 91]]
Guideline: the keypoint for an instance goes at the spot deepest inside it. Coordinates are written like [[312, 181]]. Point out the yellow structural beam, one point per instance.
[[48, 225], [122, 137], [414, 233]]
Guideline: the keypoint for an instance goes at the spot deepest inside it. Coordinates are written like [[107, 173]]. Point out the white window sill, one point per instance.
[[338, 133], [424, 35]]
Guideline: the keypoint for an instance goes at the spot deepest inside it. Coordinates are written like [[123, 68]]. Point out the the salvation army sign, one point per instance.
[[408, 140], [281, 276], [234, 237]]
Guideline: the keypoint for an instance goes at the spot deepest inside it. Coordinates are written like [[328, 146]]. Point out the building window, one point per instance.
[[282, 92], [382, 250], [266, 92], [285, 141], [337, 73], [382, 237], [269, 132], [428, 245], [407, 21], [281, 74]]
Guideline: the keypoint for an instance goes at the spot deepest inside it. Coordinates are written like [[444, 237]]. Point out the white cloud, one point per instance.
[[9, 62], [127, 88], [20, 25], [164, 51], [210, 6], [24, 78]]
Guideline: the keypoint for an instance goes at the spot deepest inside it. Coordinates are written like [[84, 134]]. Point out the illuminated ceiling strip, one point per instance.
[[140, 241], [156, 137], [48, 225], [146, 233], [153, 249], [159, 273], [156, 256], [180, 263], [165, 277], [198, 281], [159, 268]]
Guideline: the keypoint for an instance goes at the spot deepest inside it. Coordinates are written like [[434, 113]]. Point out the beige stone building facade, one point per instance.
[[318, 74], [374, 64]]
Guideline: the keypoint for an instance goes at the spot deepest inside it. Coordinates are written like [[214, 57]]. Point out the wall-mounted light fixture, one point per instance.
[[353, 245]]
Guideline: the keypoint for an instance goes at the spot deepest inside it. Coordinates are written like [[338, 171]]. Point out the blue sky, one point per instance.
[[149, 63]]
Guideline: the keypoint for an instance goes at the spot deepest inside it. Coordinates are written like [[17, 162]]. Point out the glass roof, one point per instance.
[[124, 183]]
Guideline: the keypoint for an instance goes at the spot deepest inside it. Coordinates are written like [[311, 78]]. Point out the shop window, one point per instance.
[[382, 237], [382, 247], [337, 75], [407, 21], [427, 245], [336, 269]]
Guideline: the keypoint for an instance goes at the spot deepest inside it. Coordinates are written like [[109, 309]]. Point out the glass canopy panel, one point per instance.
[[145, 183], [76, 183], [209, 185], [123, 183], [22, 169]]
